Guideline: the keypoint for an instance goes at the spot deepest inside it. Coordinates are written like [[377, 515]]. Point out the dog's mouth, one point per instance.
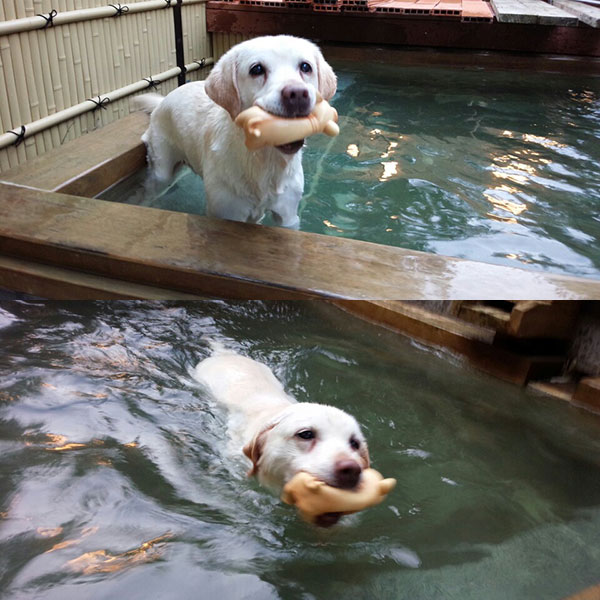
[[291, 148], [331, 518], [328, 519]]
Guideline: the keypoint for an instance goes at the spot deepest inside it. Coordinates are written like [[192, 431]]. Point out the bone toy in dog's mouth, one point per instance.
[[264, 129], [315, 500]]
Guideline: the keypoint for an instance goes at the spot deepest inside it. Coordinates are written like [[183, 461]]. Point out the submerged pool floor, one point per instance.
[[114, 482], [496, 166]]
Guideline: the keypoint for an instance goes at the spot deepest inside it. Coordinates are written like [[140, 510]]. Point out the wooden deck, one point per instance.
[[532, 12], [528, 26], [64, 246]]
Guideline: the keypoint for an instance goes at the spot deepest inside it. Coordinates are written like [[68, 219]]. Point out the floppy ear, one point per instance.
[[221, 85], [327, 78], [253, 449]]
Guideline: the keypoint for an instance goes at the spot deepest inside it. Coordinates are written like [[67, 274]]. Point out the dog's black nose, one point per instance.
[[347, 473], [295, 100]]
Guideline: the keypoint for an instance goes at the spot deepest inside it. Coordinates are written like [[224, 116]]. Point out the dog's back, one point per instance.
[[240, 382]]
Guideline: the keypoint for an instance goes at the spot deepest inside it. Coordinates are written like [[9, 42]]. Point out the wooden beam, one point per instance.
[[55, 283], [217, 258], [587, 395], [534, 319], [89, 164], [474, 343]]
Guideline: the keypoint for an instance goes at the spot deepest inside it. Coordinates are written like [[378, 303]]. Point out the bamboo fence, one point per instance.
[[75, 75]]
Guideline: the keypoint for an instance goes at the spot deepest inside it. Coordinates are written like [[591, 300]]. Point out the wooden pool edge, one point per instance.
[[58, 236], [528, 348]]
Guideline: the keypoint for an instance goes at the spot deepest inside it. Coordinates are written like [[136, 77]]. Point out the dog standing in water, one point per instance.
[[194, 125]]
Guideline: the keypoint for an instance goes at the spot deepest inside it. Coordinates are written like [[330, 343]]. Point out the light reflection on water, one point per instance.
[[494, 166], [115, 481]]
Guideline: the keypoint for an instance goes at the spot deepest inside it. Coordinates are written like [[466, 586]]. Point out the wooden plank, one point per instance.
[[484, 315], [531, 319], [561, 390], [87, 165], [532, 12], [534, 319], [203, 256], [426, 324], [589, 15], [474, 343], [400, 31], [587, 395], [55, 283]]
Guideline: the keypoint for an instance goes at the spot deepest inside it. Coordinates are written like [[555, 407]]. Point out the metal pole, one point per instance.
[[179, 52]]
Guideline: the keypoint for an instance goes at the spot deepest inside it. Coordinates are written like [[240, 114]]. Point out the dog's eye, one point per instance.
[[305, 67], [354, 444], [306, 434], [257, 70]]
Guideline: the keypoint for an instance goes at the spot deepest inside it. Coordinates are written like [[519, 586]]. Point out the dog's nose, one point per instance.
[[295, 100], [347, 473]]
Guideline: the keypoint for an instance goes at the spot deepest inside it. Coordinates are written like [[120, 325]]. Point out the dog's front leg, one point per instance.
[[224, 203], [285, 205]]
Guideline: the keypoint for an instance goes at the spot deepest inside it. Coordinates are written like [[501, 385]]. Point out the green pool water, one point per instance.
[[496, 166], [114, 481]]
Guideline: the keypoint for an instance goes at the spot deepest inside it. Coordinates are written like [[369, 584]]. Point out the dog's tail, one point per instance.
[[146, 102]]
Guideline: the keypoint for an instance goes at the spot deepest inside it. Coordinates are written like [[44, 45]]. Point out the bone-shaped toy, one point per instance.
[[264, 129], [313, 497]]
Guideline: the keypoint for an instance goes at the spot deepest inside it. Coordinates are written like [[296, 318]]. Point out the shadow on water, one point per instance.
[[116, 477]]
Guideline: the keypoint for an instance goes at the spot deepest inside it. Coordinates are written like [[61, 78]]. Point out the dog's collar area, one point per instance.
[[291, 148]]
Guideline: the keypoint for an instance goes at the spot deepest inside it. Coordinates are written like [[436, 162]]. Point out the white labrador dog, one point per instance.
[[194, 125], [279, 435]]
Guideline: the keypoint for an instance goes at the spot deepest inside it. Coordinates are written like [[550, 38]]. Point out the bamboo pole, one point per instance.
[[8, 138], [63, 98], [19, 25], [33, 95], [18, 90], [42, 81]]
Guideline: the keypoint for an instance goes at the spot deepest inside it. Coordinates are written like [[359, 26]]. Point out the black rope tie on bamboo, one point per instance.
[[121, 10], [49, 19], [20, 135], [200, 62], [168, 3], [100, 103], [151, 83]]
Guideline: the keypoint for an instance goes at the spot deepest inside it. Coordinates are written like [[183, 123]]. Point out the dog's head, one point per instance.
[[321, 440], [280, 74]]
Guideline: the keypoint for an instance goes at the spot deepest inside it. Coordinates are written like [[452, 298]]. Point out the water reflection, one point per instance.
[[151, 501], [487, 147], [102, 561]]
